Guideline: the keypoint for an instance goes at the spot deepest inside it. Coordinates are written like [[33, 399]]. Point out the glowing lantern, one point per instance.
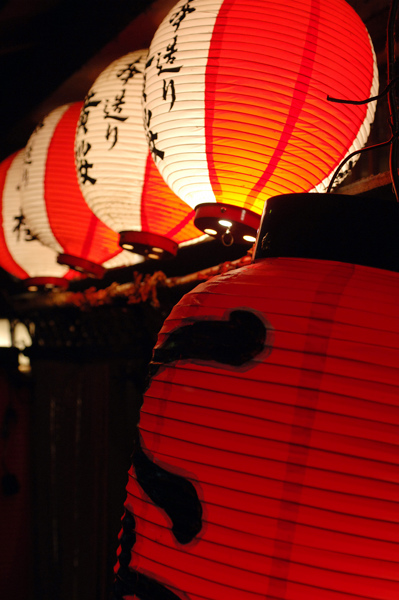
[[267, 465], [53, 204], [116, 173], [236, 107], [21, 254]]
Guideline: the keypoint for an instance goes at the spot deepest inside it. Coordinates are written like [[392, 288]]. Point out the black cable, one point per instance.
[[338, 169], [358, 102]]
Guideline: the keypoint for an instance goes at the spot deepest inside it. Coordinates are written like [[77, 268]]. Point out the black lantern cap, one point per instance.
[[350, 229]]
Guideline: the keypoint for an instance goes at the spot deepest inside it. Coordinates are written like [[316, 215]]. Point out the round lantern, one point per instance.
[[268, 456], [21, 254], [236, 107], [53, 204], [116, 172]]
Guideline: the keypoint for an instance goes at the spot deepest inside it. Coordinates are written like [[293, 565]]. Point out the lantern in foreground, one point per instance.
[[53, 204], [236, 107], [116, 173], [267, 462], [21, 254]]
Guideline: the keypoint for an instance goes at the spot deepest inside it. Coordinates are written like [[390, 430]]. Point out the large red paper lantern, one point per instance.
[[236, 107], [268, 458], [116, 173], [21, 254], [53, 204]]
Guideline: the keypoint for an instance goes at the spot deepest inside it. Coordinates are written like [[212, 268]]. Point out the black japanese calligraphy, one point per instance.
[[169, 86], [129, 71], [164, 60], [112, 135], [181, 14], [82, 163], [21, 227], [84, 115], [114, 113], [152, 136]]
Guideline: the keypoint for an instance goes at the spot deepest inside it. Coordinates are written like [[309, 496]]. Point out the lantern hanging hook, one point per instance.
[[227, 238]]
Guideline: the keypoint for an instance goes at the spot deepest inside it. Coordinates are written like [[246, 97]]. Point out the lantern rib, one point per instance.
[[324, 490], [273, 499], [283, 405], [284, 443], [287, 406], [200, 577], [389, 445], [313, 566]]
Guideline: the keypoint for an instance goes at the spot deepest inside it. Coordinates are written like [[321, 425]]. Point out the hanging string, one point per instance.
[[390, 89]]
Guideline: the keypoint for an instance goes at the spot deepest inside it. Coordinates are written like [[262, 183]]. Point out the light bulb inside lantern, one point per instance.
[[225, 223], [152, 255], [210, 231], [249, 238]]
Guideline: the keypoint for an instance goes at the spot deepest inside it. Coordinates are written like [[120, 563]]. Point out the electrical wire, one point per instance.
[[392, 105]]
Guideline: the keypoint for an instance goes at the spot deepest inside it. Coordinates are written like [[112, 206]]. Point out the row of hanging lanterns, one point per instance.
[[47, 196], [235, 111], [53, 204]]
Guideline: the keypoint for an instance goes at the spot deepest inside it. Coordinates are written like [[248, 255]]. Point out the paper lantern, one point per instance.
[[267, 464], [21, 254], [116, 173], [53, 204], [236, 107]]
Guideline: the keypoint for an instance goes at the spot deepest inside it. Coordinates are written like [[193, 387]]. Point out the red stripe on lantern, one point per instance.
[[76, 228]]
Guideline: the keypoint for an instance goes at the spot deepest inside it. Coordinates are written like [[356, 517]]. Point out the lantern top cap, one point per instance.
[[351, 229]]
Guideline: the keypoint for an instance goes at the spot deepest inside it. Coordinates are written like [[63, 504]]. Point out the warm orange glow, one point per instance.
[[236, 97]]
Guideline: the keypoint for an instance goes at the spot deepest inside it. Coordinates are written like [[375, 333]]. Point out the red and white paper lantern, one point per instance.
[[236, 107], [53, 204], [21, 254], [115, 170]]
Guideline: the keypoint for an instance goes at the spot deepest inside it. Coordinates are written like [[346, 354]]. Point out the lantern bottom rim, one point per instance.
[[34, 284], [227, 222], [82, 265], [150, 245]]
